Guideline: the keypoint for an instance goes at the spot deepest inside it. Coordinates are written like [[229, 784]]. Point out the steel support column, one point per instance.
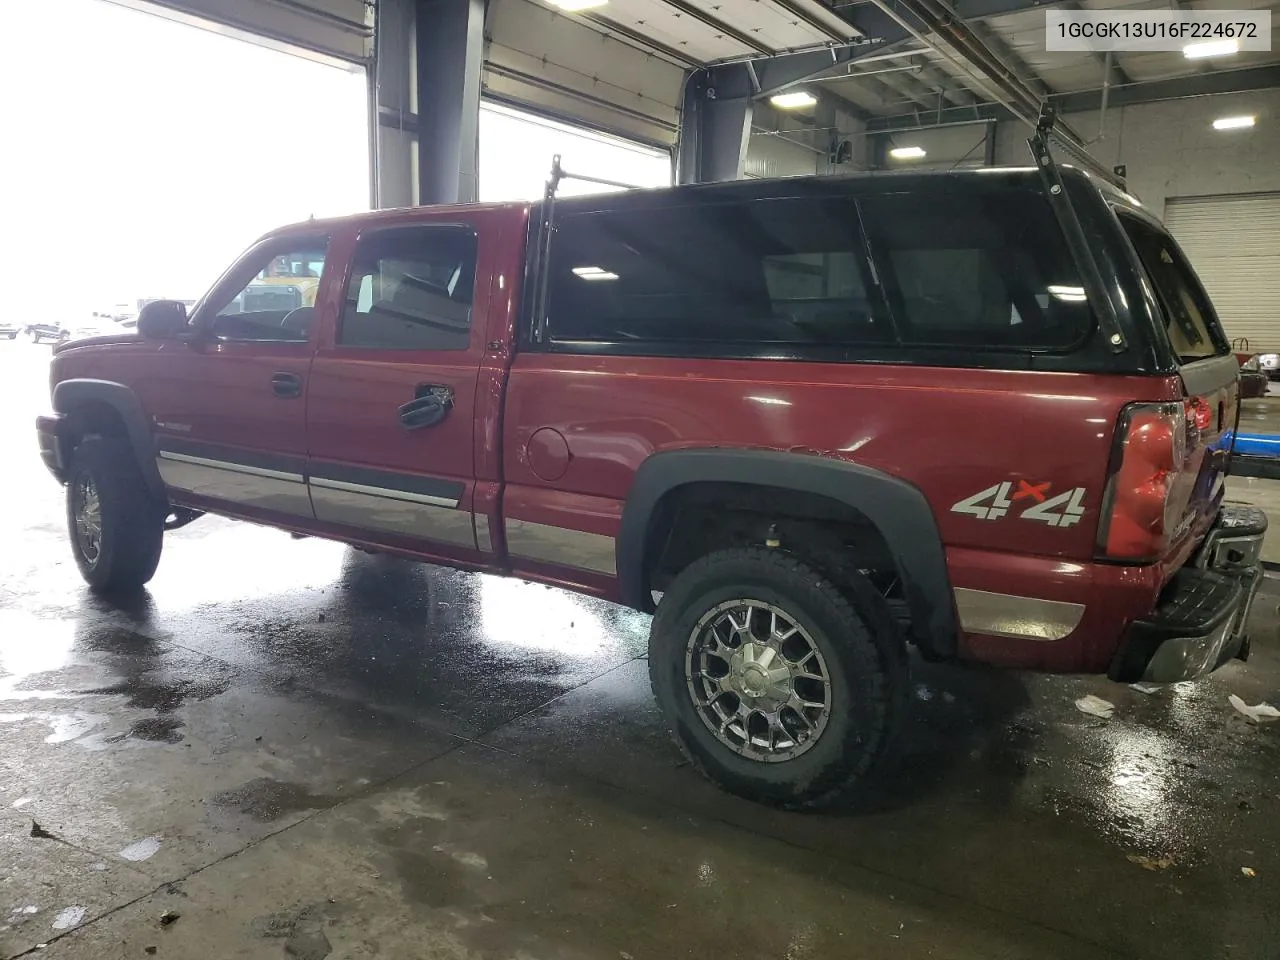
[[395, 126], [450, 57], [714, 132]]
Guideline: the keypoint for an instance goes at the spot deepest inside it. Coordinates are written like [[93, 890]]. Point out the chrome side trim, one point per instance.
[[562, 546], [386, 492], [251, 486], [408, 517], [1023, 618], [484, 539], [233, 467]]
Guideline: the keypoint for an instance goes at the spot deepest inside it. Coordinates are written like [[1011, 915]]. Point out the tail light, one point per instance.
[[1139, 514]]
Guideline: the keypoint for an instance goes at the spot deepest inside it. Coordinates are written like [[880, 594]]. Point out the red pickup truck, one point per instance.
[[808, 422]]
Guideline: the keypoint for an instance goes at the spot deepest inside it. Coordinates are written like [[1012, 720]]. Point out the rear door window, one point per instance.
[[411, 289], [1191, 324], [980, 270]]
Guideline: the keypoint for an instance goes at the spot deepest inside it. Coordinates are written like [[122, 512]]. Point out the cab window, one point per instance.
[[277, 302], [411, 289]]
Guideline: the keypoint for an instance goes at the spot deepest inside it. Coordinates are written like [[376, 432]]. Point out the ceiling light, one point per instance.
[[907, 153], [1211, 48], [594, 273], [1233, 123], [793, 100], [574, 6]]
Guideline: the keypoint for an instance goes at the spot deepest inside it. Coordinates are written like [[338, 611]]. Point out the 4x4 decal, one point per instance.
[[997, 500]]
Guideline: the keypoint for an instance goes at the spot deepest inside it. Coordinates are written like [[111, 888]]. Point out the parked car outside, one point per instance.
[[95, 325], [806, 422], [39, 332], [9, 330], [1253, 382]]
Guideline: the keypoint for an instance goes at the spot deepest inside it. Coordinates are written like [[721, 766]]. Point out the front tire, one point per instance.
[[116, 525], [777, 685]]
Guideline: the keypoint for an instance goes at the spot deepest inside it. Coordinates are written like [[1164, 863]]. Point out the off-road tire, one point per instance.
[[856, 636], [131, 518]]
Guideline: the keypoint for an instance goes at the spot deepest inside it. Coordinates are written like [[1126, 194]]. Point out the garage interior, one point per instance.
[[293, 748]]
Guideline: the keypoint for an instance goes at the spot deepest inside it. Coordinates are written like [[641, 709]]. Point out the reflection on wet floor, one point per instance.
[[297, 746]]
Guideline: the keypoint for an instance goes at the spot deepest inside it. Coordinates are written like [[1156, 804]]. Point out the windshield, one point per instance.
[[1190, 322]]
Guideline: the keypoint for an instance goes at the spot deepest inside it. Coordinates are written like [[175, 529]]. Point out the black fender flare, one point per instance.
[[70, 393], [897, 508]]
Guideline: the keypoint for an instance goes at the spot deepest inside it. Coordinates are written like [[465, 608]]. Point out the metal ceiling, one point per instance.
[[910, 79], [621, 65]]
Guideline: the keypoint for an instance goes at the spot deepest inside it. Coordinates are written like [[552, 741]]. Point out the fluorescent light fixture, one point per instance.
[[574, 6], [907, 153], [793, 100], [1211, 48], [1069, 294], [594, 273], [1233, 123]]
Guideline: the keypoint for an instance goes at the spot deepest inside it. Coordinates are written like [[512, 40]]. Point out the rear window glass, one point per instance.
[[988, 269], [1189, 318], [782, 271]]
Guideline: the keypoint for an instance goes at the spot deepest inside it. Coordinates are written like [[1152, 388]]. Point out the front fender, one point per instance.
[[70, 394], [896, 508]]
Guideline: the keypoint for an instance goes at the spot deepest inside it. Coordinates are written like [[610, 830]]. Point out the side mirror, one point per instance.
[[162, 319]]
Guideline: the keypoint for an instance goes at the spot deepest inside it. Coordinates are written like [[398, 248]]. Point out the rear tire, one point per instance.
[[804, 723], [115, 524]]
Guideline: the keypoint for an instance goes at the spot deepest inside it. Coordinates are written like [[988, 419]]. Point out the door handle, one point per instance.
[[286, 385], [429, 407]]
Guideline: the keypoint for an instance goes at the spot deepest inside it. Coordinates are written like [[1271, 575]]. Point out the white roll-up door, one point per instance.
[[1234, 244], [336, 29]]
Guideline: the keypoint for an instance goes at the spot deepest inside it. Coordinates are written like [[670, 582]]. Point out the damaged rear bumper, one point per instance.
[[1200, 621]]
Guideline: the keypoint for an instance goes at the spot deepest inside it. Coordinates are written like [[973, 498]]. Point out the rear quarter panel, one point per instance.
[[951, 432]]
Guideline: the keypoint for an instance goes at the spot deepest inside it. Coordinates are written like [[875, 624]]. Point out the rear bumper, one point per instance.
[[1200, 619], [49, 434]]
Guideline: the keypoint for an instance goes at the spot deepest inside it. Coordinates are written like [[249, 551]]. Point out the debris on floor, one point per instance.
[[1150, 863], [68, 918], [1258, 713], [40, 832], [140, 850], [1147, 688], [1096, 706], [168, 917], [1249, 871]]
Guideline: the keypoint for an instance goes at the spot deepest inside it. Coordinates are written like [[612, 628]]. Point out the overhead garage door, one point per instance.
[[1234, 244], [338, 29]]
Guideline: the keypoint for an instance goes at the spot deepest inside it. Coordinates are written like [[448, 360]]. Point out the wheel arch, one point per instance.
[[897, 510], [87, 399]]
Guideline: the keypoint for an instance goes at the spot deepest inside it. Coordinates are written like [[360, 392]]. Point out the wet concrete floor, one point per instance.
[[289, 749]]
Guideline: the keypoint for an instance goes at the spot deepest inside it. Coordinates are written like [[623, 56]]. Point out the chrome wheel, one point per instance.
[[758, 680], [87, 511]]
